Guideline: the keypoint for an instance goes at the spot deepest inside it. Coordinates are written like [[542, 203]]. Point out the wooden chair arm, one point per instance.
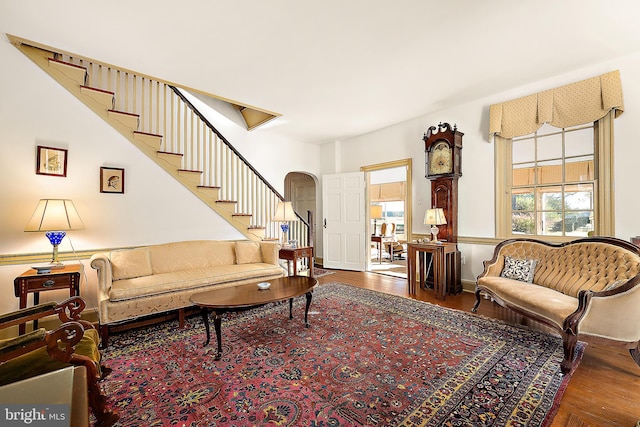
[[67, 311], [9, 348], [70, 309], [26, 314], [61, 342]]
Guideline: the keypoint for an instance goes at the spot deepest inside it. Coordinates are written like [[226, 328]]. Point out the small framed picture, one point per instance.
[[51, 161], [111, 180]]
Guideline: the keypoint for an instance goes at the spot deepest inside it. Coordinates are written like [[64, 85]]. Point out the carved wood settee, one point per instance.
[[588, 289]]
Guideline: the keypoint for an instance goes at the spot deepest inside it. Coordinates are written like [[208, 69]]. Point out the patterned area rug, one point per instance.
[[368, 359]]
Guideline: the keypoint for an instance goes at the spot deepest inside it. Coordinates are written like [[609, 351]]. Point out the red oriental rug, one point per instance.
[[368, 359]]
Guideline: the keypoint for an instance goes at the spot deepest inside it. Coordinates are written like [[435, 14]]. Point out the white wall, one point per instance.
[[476, 186], [36, 110]]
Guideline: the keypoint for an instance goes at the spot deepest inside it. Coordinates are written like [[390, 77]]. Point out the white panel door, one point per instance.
[[344, 221]]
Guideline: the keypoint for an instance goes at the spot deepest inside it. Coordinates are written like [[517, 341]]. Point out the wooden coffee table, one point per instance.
[[244, 297]]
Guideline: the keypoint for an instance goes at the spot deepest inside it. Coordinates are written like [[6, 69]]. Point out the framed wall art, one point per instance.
[[111, 180], [51, 161]]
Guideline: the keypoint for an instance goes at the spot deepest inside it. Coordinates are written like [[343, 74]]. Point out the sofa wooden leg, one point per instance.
[[635, 353], [569, 342], [104, 335], [181, 317], [477, 304]]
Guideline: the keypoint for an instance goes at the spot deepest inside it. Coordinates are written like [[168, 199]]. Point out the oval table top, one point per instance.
[[248, 295]]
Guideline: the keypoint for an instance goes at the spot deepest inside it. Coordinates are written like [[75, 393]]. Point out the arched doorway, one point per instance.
[[300, 188]]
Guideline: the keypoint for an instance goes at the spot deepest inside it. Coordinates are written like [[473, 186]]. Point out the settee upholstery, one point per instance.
[[587, 289], [133, 283]]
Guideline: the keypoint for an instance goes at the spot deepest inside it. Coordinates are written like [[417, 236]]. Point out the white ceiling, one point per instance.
[[337, 68]]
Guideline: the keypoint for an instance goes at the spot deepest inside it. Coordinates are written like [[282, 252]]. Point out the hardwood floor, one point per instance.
[[604, 389]]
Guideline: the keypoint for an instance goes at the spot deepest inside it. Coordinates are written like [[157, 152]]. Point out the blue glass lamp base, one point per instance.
[[55, 237], [285, 230]]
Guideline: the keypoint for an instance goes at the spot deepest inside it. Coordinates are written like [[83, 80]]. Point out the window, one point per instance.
[[552, 184], [393, 212]]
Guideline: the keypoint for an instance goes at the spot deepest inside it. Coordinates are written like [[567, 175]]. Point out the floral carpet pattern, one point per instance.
[[368, 359]]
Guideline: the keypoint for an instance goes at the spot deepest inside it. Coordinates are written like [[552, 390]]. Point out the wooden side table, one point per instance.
[[67, 277], [445, 267], [292, 254]]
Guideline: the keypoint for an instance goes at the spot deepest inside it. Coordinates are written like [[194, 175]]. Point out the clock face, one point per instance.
[[440, 161]]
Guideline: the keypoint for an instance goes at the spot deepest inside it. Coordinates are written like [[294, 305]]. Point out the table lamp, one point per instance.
[[55, 216], [284, 213], [375, 212], [434, 217]]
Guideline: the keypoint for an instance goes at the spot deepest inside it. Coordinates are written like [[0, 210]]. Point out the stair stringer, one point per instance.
[[71, 82]]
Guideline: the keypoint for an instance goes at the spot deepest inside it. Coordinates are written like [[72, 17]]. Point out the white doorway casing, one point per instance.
[[393, 171]]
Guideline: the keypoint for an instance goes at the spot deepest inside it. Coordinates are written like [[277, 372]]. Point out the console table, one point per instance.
[[446, 268]]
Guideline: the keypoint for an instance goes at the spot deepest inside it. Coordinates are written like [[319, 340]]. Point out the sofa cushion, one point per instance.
[[130, 263], [248, 252], [188, 255], [143, 287], [519, 269], [531, 298]]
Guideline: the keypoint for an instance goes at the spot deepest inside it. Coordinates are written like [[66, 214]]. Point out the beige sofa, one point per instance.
[[587, 289], [134, 283]]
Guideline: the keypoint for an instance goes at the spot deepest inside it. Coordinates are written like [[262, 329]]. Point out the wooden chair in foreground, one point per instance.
[[74, 342]]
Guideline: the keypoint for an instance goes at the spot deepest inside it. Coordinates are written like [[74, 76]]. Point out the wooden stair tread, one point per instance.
[[171, 153], [95, 89], [126, 113], [146, 133], [70, 64], [215, 187], [241, 214], [189, 170], [226, 201]]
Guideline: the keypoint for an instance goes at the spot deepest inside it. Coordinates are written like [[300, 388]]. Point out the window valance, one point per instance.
[[571, 105], [387, 192]]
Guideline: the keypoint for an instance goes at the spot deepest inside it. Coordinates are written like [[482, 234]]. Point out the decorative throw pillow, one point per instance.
[[248, 252], [519, 269], [130, 263]]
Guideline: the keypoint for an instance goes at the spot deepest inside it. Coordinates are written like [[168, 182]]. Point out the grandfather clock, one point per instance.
[[443, 166]]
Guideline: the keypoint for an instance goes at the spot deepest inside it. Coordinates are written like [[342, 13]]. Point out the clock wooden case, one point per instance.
[[443, 166]]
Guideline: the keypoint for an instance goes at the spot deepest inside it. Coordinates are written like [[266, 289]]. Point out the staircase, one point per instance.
[[160, 121]]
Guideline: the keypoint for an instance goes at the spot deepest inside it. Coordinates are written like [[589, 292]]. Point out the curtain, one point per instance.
[[571, 105], [387, 192]]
